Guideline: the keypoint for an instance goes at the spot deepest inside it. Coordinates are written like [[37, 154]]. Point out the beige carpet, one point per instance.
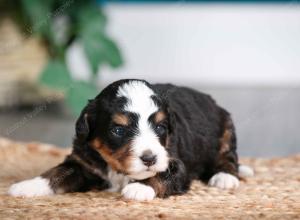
[[274, 193]]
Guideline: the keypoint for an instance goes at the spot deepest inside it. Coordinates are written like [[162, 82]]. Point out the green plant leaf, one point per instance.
[[39, 13], [90, 16], [56, 75], [79, 94], [98, 47]]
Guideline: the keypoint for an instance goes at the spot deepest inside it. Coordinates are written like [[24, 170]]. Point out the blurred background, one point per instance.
[[56, 54]]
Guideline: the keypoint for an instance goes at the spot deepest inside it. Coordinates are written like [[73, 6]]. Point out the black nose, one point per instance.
[[148, 158]]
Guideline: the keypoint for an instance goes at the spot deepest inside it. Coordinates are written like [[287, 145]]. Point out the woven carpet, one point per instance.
[[273, 193]]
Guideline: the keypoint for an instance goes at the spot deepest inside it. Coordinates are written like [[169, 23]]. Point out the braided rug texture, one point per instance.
[[273, 193]]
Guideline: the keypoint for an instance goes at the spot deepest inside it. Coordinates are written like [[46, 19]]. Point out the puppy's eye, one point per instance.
[[118, 131], [160, 129]]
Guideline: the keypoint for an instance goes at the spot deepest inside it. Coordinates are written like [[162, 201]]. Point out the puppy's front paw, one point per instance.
[[224, 181], [29, 188], [245, 171], [138, 191]]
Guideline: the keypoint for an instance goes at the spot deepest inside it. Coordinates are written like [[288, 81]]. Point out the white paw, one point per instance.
[[245, 171], [224, 181], [138, 191], [37, 186]]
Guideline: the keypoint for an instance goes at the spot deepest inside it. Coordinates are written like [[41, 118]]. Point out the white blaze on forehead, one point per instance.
[[141, 103], [139, 98]]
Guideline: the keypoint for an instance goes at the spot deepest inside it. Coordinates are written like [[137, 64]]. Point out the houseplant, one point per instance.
[[60, 24]]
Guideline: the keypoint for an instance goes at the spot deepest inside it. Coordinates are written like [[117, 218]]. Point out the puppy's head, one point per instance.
[[127, 124]]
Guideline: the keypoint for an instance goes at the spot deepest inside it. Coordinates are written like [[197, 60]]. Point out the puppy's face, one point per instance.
[[131, 129]]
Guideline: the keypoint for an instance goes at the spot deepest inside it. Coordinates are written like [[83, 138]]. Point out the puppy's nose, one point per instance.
[[148, 158]]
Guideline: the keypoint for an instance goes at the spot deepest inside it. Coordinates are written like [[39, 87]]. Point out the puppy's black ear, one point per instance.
[[172, 120], [83, 124]]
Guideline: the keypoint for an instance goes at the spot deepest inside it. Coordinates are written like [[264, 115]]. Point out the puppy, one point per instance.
[[145, 140]]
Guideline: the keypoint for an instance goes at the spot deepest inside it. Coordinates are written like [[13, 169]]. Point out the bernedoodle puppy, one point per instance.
[[145, 140]]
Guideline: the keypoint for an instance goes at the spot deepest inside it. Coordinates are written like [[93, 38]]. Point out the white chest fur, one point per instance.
[[117, 180]]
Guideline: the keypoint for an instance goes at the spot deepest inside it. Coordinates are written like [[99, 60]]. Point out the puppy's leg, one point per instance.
[[171, 182], [226, 164], [66, 177]]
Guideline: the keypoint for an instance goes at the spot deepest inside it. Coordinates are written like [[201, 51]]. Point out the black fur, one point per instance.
[[199, 138]]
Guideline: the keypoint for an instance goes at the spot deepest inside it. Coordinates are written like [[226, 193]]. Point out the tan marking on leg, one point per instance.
[[225, 141], [158, 186], [227, 158], [90, 167]]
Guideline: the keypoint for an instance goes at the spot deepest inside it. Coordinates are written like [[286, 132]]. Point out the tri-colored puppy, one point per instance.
[[145, 140]]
